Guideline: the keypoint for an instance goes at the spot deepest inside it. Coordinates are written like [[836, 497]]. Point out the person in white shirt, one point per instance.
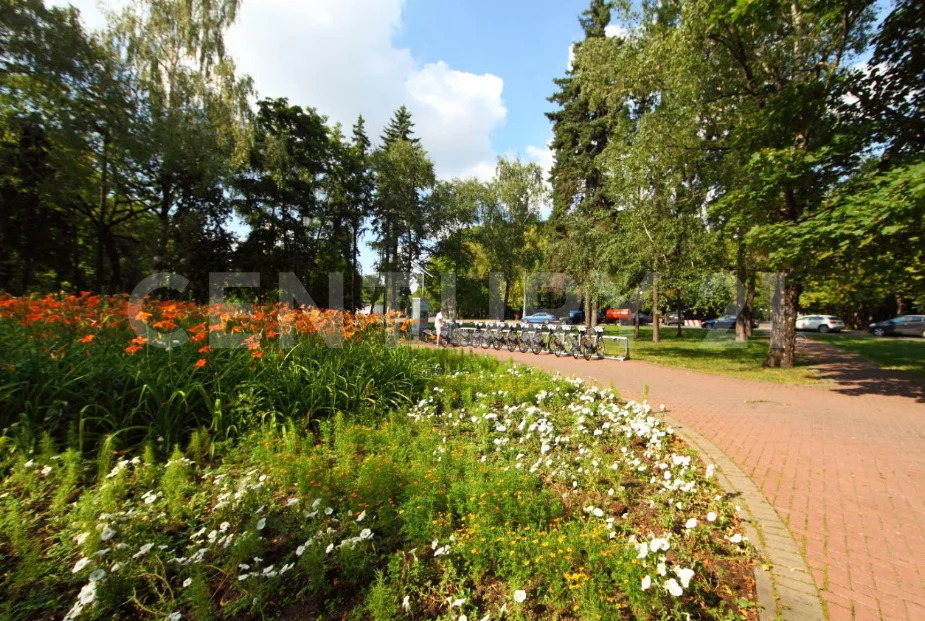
[[438, 324]]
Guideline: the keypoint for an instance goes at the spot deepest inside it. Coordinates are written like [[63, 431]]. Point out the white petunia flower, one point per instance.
[[674, 588], [711, 517], [143, 550], [691, 523], [329, 548], [80, 565], [458, 602], [291, 502], [684, 575], [261, 523], [406, 604], [300, 551], [737, 538], [361, 516], [96, 575], [187, 582], [107, 534], [174, 616], [646, 583], [520, 596]]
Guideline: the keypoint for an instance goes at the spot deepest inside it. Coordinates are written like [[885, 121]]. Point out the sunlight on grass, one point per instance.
[[712, 352], [887, 352]]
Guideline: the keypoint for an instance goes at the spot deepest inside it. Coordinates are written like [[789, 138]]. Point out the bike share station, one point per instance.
[[552, 338]]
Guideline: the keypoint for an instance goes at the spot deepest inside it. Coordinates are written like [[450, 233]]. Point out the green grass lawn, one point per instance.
[[711, 352], [887, 352]]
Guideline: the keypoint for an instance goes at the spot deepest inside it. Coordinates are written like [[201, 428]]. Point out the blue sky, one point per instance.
[[524, 42]]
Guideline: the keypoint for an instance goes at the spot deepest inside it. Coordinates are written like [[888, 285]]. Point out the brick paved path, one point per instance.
[[844, 468]]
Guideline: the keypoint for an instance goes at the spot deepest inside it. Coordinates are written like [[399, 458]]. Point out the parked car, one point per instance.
[[540, 317], [644, 320], [672, 319], [726, 322], [908, 325], [820, 323], [574, 317]]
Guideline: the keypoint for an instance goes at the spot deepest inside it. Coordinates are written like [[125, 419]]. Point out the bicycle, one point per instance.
[[497, 336], [538, 343], [510, 337], [480, 335], [447, 336], [593, 345], [465, 336]]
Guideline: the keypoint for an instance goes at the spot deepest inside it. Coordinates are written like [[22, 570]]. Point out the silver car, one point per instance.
[[820, 323]]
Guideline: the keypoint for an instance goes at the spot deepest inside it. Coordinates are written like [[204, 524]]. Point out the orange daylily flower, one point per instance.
[[200, 363], [204, 350], [87, 339]]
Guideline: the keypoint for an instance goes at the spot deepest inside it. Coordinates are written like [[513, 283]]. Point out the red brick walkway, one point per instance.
[[845, 469]]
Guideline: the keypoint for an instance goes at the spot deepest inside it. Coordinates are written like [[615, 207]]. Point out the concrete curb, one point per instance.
[[783, 583]]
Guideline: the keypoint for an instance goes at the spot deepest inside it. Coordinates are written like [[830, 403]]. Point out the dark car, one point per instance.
[[726, 322], [644, 320], [540, 318], [906, 325]]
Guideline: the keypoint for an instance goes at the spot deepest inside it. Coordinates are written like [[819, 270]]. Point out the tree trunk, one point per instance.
[[595, 307], [115, 277], [353, 275], [636, 320], [101, 216], [587, 311], [507, 290], [656, 335], [680, 316], [782, 351], [742, 322], [749, 310]]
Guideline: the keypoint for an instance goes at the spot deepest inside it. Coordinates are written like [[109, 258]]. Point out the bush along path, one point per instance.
[[503, 493]]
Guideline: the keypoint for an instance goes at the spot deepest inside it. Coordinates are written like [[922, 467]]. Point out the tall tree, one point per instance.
[[403, 174], [196, 108], [517, 191]]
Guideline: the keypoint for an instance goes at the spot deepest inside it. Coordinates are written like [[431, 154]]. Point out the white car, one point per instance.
[[820, 323]]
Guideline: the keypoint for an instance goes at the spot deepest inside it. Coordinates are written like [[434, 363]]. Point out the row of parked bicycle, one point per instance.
[[574, 341]]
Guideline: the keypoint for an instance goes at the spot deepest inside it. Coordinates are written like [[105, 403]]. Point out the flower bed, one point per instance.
[[503, 493]]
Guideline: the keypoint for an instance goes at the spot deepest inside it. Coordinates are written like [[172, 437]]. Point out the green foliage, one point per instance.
[[436, 509]]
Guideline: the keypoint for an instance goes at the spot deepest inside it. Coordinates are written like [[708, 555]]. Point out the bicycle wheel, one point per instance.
[[523, 343], [599, 348], [536, 344], [465, 338], [556, 346], [511, 341], [587, 347], [497, 341]]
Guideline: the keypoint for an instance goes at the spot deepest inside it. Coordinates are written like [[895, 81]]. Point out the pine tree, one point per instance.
[[361, 194], [579, 133], [401, 127]]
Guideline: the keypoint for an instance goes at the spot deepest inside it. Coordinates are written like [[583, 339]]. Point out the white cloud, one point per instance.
[[615, 30], [542, 156], [338, 57]]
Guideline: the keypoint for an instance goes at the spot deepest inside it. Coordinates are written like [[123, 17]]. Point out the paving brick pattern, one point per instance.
[[844, 470]]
